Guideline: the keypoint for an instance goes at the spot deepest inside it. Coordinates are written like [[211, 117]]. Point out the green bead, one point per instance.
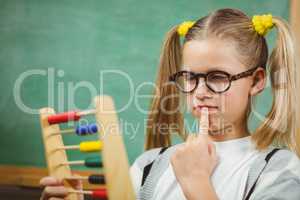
[[93, 162]]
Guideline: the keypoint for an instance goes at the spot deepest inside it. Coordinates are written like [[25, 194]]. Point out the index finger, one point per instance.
[[50, 181], [203, 122]]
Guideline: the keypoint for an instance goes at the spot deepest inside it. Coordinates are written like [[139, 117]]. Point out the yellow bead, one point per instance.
[[90, 146]]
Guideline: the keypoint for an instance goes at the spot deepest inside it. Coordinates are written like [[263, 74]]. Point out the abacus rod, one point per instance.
[[63, 132], [86, 112], [69, 147], [80, 191], [77, 178], [77, 162]]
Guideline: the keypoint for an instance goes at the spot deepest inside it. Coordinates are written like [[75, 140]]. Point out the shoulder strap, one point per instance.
[[267, 158], [148, 167]]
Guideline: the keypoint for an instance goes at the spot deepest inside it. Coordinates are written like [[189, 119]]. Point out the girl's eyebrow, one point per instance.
[[215, 68]]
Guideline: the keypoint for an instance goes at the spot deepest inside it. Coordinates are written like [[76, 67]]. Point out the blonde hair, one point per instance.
[[281, 124]]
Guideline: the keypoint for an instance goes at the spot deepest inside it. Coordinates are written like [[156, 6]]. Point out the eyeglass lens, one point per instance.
[[216, 81]]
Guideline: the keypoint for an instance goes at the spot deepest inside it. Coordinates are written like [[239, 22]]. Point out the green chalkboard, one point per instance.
[[54, 52]]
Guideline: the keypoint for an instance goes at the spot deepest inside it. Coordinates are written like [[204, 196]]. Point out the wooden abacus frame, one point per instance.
[[114, 157]]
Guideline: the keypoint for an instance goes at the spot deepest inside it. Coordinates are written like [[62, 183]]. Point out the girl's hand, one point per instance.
[[194, 162], [55, 190]]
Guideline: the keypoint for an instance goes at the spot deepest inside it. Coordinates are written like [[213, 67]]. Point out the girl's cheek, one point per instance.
[[223, 101], [189, 101]]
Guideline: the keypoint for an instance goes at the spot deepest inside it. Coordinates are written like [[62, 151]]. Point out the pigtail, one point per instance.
[[164, 116], [282, 122]]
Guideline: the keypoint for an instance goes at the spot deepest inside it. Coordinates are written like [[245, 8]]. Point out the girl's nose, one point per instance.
[[202, 90]]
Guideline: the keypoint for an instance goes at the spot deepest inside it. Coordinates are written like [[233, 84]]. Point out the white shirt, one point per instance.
[[228, 179]]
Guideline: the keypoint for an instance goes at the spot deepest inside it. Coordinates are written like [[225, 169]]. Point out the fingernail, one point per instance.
[[204, 109]]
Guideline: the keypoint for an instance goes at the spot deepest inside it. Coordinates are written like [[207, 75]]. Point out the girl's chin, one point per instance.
[[222, 130]]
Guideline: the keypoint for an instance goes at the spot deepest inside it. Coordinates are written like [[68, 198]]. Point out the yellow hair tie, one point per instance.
[[184, 27], [262, 23]]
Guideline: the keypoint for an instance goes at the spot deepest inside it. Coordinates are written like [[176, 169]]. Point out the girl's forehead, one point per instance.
[[211, 54]]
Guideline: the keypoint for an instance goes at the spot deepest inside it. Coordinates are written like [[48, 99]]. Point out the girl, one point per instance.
[[218, 69]]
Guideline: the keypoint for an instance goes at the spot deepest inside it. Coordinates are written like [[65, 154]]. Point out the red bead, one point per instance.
[[63, 117], [101, 194]]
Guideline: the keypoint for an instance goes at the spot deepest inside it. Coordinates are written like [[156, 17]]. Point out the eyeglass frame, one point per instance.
[[197, 76]]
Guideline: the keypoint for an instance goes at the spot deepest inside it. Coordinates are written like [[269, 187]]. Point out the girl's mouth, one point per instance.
[[210, 108]]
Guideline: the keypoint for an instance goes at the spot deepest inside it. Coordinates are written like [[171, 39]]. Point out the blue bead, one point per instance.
[[81, 130], [93, 128], [86, 129], [77, 130]]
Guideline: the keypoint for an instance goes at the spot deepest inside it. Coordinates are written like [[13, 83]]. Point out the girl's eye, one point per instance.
[[189, 77], [218, 77]]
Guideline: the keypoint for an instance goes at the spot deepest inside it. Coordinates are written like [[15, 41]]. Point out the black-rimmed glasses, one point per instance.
[[217, 81]]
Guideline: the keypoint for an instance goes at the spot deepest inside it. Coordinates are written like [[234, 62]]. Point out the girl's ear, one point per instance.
[[259, 81]]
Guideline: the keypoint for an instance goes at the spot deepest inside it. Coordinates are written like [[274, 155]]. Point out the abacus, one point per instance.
[[116, 177]]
